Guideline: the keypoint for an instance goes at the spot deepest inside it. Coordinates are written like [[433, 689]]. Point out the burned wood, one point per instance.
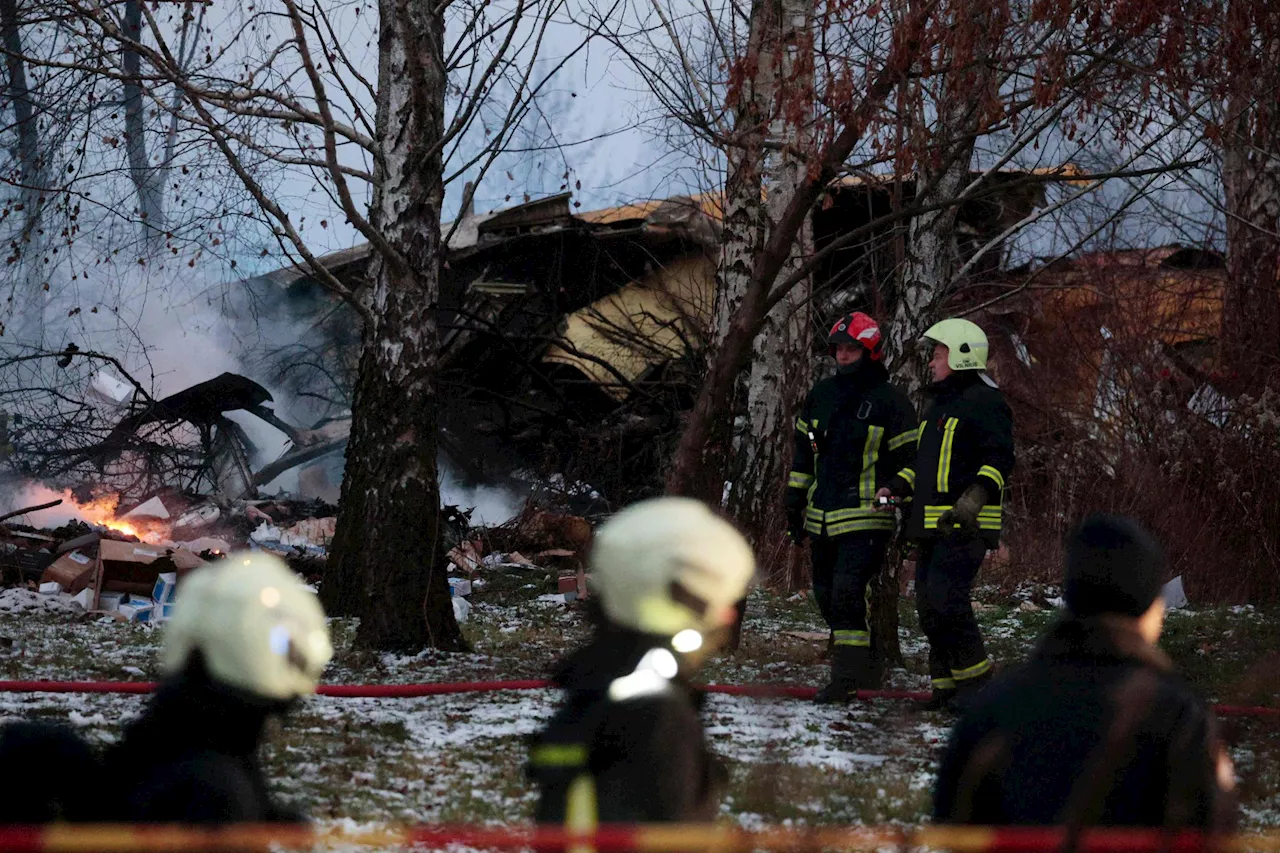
[[48, 505]]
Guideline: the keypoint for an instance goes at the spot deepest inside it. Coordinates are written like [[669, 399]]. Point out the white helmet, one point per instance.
[[255, 623], [669, 565]]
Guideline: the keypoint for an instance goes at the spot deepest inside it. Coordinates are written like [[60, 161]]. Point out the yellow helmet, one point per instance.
[[669, 565], [256, 625], [966, 343]]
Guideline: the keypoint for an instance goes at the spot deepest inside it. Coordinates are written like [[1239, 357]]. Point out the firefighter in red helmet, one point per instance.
[[855, 432]]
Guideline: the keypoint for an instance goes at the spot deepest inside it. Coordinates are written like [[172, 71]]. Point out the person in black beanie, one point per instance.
[[1095, 729]]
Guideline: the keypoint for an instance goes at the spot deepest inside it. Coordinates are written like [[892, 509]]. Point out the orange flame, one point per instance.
[[102, 512]]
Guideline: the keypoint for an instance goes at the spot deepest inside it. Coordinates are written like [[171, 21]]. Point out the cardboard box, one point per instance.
[[136, 612], [166, 585], [50, 588], [110, 600], [459, 587], [162, 612], [73, 571], [84, 598]]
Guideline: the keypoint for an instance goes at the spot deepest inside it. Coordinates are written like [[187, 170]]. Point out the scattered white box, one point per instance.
[[84, 598], [166, 585], [137, 612], [110, 600], [162, 612], [459, 587], [50, 588], [1175, 595]]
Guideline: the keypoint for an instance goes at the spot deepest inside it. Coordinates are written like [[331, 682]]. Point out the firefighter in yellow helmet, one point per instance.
[[964, 454], [628, 745], [246, 642]]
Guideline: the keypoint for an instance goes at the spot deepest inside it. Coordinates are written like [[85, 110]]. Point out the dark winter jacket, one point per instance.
[[1095, 730], [48, 773], [854, 433], [965, 438], [192, 757], [637, 759]]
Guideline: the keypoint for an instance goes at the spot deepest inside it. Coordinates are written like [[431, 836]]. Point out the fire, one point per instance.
[[101, 512]]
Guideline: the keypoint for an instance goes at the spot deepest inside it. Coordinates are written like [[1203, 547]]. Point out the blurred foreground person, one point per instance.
[[628, 744], [1096, 729], [36, 761], [246, 642]]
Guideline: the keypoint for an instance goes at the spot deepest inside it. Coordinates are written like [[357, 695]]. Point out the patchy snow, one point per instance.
[[16, 600]]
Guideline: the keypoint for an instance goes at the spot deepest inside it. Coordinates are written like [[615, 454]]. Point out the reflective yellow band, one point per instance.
[[972, 671], [848, 513], [944, 684], [852, 638], [802, 426], [989, 517], [870, 453], [908, 437], [944, 456], [861, 525], [909, 475], [558, 755], [799, 480], [994, 475], [814, 514], [581, 811]]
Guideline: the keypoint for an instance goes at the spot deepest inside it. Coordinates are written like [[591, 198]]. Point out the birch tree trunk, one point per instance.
[[781, 367], [385, 563], [1250, 337], [29, 297], [146, 178]]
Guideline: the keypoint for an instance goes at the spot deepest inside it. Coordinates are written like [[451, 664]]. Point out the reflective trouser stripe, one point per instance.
[[852, 638], [944, 457], [802, 427], [581, 813], [972, 671], [944, 684]]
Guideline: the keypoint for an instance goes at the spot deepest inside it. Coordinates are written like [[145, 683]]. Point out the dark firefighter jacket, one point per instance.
[[1095, 730], [192, 757], [637, 759], [855, 431], [965, 437]]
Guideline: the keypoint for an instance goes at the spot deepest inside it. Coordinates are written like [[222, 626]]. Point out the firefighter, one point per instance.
[[628, 745], [855, 431], [1095, 729], [955, 485], [246, 642]]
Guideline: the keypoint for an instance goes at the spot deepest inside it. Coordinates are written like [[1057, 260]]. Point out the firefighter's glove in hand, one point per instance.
[[962, 518], [795, 526]]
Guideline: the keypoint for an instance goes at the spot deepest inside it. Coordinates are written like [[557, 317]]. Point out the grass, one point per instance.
[[460, 758]]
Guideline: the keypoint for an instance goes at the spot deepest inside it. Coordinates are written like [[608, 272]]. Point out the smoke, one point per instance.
[[493, 504]]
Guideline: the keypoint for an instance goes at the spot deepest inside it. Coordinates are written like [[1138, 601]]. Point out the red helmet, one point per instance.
[[857, 328]]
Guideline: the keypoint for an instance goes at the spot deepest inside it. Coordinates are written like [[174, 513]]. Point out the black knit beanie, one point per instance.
[[1112, 566]]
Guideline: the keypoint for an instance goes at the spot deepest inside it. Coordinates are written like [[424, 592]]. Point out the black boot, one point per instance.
[[850, 672], [967, 690], [939, 700]]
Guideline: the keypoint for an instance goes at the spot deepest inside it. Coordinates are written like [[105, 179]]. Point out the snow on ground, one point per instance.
[[460, 757]]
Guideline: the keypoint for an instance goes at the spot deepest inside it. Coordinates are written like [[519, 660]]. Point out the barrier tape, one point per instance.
[[642, 838], [409, 691]]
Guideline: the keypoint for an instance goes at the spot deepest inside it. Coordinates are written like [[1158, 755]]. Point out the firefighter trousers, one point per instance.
[[844, 569], [945, 571]]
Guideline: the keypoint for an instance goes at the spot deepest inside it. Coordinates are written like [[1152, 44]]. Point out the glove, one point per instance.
[[963, 517], [795, 526]]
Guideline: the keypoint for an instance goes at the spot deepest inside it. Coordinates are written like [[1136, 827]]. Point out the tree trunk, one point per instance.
[[689, 470], [781, 367], [146, 178], [1250, 337], [386, 546], [30, 299]]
